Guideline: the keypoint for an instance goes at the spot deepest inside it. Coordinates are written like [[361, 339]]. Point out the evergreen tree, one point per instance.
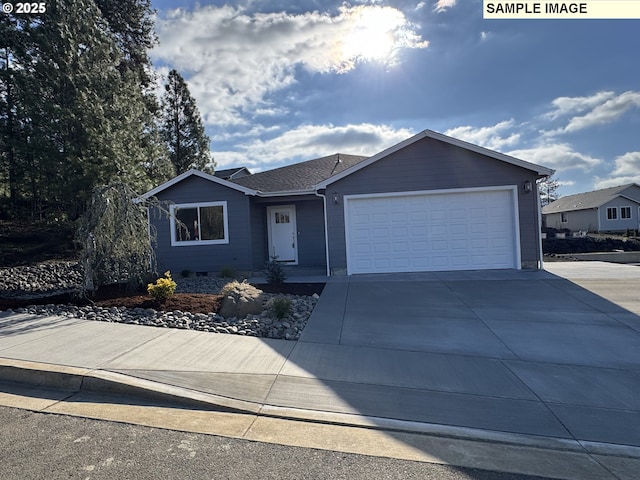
[[76, 108], [548, 189], [182, 128], [131, 26]]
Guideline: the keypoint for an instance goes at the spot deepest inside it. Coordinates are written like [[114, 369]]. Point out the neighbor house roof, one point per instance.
[[231, 173], [540, 170], [583, 201], [299, 177]]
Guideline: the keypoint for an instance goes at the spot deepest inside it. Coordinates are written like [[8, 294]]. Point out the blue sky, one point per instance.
[[279, 82]]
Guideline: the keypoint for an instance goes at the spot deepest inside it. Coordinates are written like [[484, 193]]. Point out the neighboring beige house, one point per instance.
[[614, 209]]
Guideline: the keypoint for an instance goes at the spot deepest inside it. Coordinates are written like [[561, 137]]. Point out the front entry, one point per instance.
[[283, 241]]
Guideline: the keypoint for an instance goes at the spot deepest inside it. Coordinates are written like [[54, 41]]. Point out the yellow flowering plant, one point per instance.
[[163, 289]]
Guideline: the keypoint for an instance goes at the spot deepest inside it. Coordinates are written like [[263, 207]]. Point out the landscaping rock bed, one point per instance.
[[52, 278], [56, 278]]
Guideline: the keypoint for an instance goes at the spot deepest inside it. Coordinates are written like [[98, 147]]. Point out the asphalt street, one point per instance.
[[38, 446]]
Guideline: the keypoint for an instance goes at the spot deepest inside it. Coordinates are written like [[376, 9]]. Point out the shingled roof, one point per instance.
[[299, 176], [583, 201], [230, 173]]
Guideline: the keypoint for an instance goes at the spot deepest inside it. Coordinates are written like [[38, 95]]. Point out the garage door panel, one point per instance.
[[431, 231]]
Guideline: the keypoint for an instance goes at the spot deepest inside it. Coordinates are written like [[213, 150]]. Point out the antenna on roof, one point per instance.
[[338, 160]]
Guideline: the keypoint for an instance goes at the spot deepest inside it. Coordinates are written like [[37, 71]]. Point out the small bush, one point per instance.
[[280, 307], [163, 289], [186, 273], [227, 272], [274, 272], [229, 287]]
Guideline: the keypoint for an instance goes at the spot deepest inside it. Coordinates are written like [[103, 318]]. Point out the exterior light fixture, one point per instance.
[[528, 186], [335, 197]]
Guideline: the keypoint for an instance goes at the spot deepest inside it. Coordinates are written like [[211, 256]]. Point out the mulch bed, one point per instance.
[[119, 296]]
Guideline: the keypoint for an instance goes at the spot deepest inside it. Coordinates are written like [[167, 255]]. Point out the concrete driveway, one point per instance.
[[553, 353]]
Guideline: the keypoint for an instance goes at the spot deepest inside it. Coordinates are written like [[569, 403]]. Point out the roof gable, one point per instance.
[[540, 170], [197, 173], [593, 199]]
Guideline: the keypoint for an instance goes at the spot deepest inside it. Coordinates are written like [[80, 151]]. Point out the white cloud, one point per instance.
[[603, 108], [626, 170], [234, 60], [312, 141], [566, 183], [615, 181], [627, 164], [442, 5], [569, 105], [489, 137], [559, 156], [608, 112]]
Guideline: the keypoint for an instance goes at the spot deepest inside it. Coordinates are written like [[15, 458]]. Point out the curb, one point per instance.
[[76, 380]]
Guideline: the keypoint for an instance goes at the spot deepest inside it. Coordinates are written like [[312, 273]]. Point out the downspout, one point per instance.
[[326, 230], [539, 235]]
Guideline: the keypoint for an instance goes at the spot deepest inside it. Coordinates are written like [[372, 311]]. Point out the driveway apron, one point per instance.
[[516, 351]]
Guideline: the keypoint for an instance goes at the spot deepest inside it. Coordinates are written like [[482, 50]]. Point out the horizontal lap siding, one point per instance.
[[576, 220], [432, 165], [259, 235], [311, 244], [205, 258], [619, 224], [310, 234]]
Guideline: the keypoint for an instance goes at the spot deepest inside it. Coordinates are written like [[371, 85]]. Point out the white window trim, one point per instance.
[[191, 243], [630, 214], [615, 209]]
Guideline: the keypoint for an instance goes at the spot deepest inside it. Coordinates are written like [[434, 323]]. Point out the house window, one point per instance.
[[282, 217], [625, 212], [612, 213], [563, 217], [199, 224]]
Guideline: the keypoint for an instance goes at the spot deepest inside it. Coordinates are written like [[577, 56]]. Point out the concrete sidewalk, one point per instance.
[[549, 360]]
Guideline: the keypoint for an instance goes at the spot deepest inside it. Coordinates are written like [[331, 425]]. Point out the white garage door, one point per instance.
[[419, 232]]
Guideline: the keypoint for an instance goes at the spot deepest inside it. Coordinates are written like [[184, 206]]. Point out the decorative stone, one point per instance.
[[241, 299]]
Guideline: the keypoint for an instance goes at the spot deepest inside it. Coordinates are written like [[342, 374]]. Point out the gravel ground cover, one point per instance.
[[58, 278]]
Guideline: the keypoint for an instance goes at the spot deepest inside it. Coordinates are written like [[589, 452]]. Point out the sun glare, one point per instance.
[[371, 36]]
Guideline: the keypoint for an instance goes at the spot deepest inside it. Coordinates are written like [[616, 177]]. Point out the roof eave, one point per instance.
[[286, 193], [198, 173]]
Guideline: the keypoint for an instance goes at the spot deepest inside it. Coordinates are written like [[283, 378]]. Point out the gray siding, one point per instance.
[[432, 165], [311, 244], [310, 223], [577, 220], [619, 224], [259, 235], [205, 258]]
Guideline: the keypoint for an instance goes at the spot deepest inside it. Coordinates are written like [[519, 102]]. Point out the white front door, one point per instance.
[[283, 241]]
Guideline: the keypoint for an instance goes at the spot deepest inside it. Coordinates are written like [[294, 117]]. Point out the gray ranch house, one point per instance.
[[614, 209], [429, 203]]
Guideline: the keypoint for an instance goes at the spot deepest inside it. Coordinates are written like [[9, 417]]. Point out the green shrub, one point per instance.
[[227, 272], [280, 307], [274, 272], [163, 289], [186, 273]]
